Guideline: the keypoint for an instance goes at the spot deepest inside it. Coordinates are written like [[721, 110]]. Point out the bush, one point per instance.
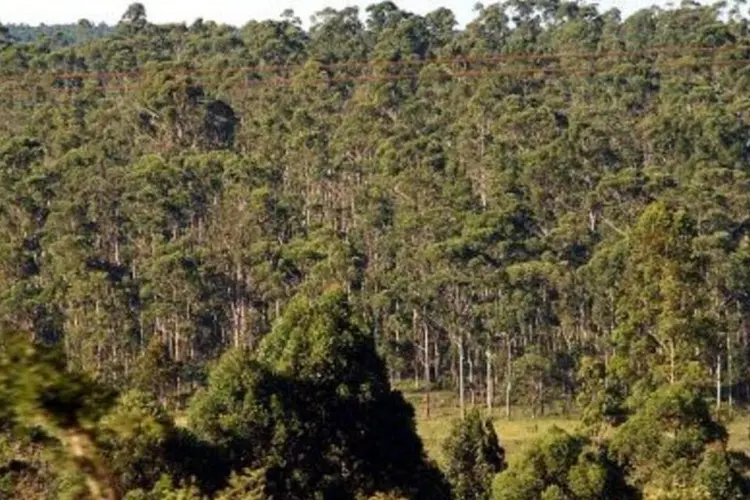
[[562, 466], [672, 443], [474, 456], [143, 446]]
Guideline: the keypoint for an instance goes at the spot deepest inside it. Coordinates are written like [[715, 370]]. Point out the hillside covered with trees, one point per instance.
[[57, 35], [267, 226]]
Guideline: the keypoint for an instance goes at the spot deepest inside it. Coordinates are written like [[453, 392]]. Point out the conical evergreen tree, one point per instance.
[[315, 409], [474, 456]]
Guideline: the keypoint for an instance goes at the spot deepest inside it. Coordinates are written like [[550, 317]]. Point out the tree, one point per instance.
[[665, 321], [562, 466], [143, 446], [5, 37], [135, 16], [311, 410], [135, 436], [38, 392], [473, 456], [672, 443]]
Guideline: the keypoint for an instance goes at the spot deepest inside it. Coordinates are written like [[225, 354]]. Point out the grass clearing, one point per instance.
[[521, 428], [513, 433], [739, 438]]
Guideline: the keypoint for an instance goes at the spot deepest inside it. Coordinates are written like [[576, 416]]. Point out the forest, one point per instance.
[[229, 253]]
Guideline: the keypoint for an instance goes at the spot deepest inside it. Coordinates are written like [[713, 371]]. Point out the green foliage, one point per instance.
[[665, 318], [165, 490], [537, 230], [136, 431], [250, 485], [314, 409], [473, 457], [40, 394], [55, 417], [672, 443], [226, 412], [57, 35], [600, 398], [721, 474], [562, 466], [540, 219], [142, 445], [38, 390], [24, 465]]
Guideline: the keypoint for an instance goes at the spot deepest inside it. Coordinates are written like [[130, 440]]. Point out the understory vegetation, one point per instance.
[[224, 247]]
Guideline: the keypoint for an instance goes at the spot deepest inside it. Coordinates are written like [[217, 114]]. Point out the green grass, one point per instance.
[[513, 433], [739, 439], [521, 428]]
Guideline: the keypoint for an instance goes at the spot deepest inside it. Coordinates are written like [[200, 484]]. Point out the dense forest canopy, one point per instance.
[[58, 35], [546, 208]]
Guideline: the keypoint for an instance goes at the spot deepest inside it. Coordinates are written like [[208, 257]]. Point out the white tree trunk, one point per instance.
[[730, 396], [508, 382], [490, 395], [461, 387], [472, 386], [427, 377], [718, 382]]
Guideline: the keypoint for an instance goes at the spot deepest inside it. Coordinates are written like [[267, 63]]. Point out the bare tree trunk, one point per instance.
[[426, 357], [730, 398], [397, 371], [461, 388], [536, 407], [472, 385], [415, 332], [718, 382], [435, 359], [508, 382], [489, 388], [427, 377]]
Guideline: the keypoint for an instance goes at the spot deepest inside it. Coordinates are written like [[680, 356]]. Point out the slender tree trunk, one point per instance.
[[397, 370], [508, 381], [415, 333], [489, 388], [237, 328], [117, 251], [427, 377], [730, 382], [461, 388], [718, 382], [436, 359], [539, 411], [472, 385]]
